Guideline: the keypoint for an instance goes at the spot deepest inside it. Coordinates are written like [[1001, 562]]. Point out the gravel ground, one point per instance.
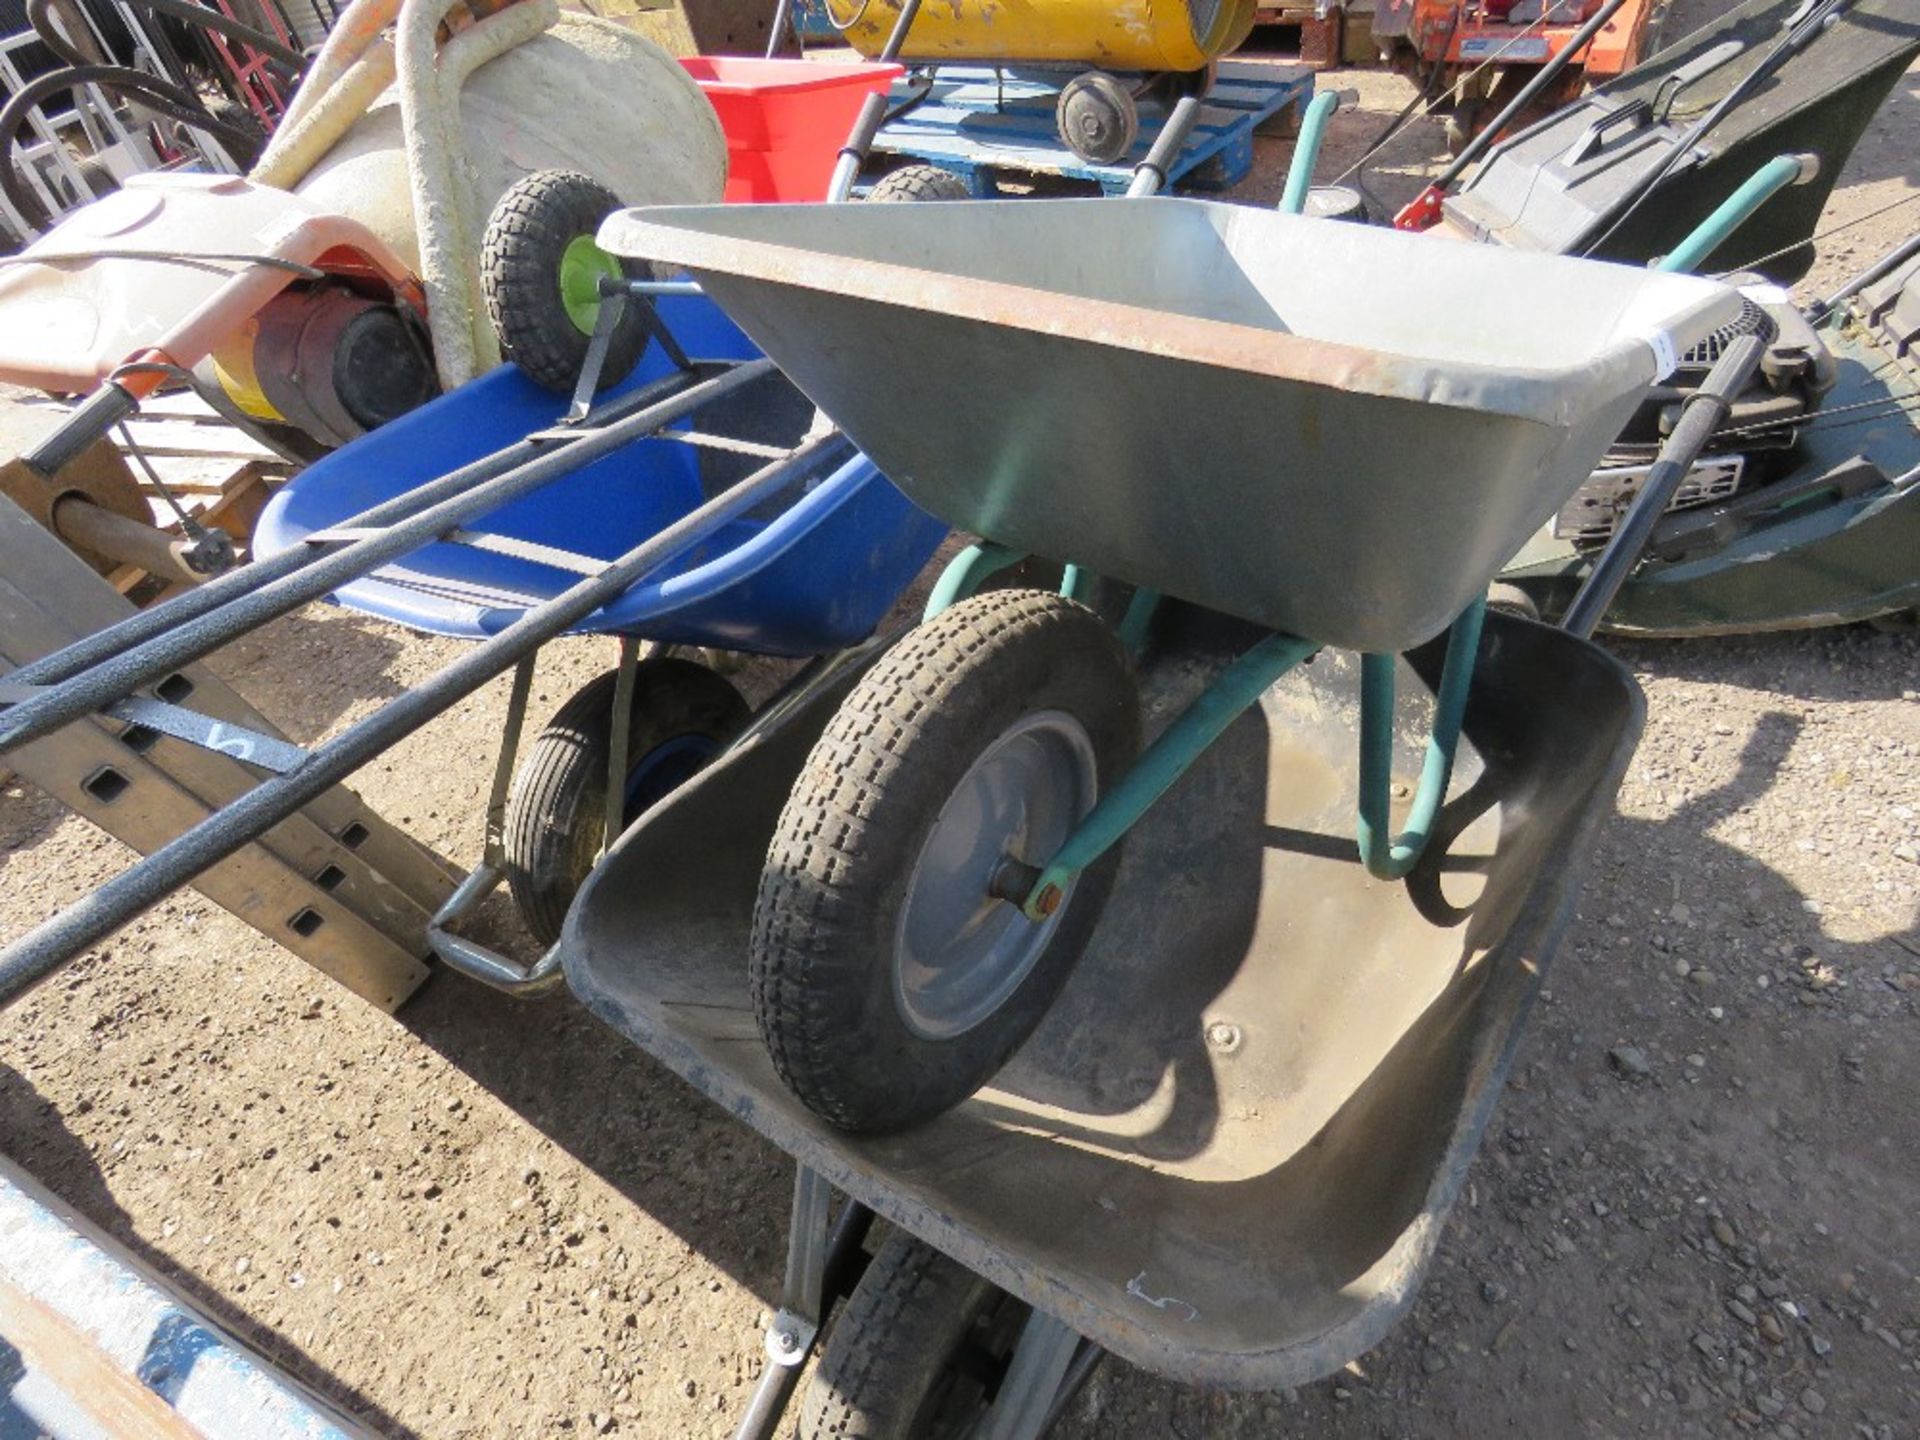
[[1694, 1213]]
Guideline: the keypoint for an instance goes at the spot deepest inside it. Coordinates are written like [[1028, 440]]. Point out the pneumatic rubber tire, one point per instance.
[[523, 258], [894, 1366], [914, 184], [556, 824], [1512, 600], [827, 956]]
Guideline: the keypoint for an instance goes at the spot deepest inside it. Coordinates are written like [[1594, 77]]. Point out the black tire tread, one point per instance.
[[553, 827], [803, 913], [531, 225], [917, 183], [910, 1309]]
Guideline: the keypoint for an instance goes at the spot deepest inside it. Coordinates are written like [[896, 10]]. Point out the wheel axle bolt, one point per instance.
[[1048, 900]]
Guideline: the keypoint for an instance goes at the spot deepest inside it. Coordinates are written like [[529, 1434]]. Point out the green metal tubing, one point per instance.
[[1140, 613], [1735, 211], [1164, 762], [1392, 859], [1306, 152], [1077, 583], [967, 572]]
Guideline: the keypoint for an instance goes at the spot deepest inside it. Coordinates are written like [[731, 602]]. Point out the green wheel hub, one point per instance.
[[581, 266]]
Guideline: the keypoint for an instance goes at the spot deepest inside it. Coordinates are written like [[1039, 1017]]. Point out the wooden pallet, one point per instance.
[[985, 125]]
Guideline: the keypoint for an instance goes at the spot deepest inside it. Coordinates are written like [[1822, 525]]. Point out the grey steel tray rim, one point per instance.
[[1524, 393]]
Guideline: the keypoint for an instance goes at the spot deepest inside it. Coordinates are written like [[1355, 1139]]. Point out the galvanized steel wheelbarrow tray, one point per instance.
[[1336, 432]]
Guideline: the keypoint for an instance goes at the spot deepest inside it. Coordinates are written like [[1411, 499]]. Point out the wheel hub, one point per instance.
[[581, 267], [959, 951], [1097, 118]]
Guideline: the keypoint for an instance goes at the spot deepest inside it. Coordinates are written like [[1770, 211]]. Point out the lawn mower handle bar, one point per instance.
[[1703, 412]]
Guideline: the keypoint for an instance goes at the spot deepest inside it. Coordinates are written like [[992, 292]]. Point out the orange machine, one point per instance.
[[1484, 50]]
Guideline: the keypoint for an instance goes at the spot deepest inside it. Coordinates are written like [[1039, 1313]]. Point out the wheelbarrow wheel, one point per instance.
[[888, 981], [1097, 117], [682, 716], [1512, 600], [916, 183], [916, 1354], [540, 268]]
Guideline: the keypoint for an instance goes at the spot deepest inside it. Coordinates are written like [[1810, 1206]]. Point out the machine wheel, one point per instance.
[[919, 182], [683, 716], [1512, 600], [1096, 117], [540, 268], [918, 1351], [889, 984]]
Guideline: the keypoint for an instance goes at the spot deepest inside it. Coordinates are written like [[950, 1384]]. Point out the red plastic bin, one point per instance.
[[785, 120]]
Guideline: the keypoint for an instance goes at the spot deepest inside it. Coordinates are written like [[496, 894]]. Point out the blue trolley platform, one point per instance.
[[982, 123]]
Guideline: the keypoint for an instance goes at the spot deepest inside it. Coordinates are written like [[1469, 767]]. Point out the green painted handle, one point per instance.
[[1711, 233], [1306, 152]]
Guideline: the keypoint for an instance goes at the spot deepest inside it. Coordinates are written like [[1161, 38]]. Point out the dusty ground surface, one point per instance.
[[1695, 1213]]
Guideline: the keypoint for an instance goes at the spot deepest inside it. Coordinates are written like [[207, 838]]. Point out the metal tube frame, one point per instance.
[[1233, 691], [43, 950], [823, 1262], [149, 645], [1394, 859], [1306, 152], [1043, 1357], [873, 113]]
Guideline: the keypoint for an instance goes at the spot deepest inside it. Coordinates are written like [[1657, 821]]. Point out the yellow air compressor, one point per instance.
[[1160, 45]]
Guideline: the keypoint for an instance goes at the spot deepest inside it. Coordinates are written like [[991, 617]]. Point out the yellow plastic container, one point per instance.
[[1155, 35]]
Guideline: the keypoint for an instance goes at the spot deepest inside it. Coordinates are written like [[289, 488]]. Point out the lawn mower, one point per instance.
[[1803, 510]]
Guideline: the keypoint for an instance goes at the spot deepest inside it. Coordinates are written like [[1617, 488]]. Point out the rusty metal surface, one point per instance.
[[1227, 1153], [1335, 430]]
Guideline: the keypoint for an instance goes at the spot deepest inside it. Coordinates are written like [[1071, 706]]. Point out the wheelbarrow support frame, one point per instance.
[[99, 673]]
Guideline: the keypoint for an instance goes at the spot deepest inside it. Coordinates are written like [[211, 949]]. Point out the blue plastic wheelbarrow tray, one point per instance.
[[813, 576], [1334, 431]]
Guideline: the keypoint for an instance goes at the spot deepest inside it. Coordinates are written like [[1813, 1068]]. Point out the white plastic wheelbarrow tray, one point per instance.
[[1331, 430]]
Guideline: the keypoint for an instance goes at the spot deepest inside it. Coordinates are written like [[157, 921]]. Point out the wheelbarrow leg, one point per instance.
[[620, 743], [1391, 857], [1025, 1406], [967, 572], [469, 957], [822, 1263]]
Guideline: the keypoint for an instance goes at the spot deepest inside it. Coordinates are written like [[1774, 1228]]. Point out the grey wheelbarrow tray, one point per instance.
[[1334, 431], [1226, 1154]]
